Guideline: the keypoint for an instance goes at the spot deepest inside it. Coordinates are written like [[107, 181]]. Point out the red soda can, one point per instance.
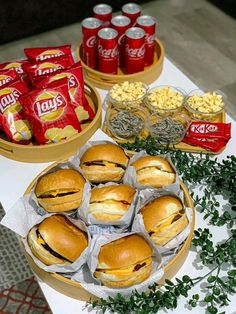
[[121, 23], [148, 24], [103, 12], [108, 50], [90, 27], [132, 10], [134, 50]]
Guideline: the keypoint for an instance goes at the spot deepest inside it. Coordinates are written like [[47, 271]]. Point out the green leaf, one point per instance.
[[211, 279]]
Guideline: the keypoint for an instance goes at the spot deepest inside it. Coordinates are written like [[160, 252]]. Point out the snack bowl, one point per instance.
[[160, 100], [170, 129], [207, 111], [125, 124], [74, 289], [35, 152], [122, 96]]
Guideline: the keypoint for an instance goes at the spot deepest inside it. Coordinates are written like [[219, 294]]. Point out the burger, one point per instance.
[[154, 171], [60, 191], [124, 262], [110, 203], [57, 241], [164, 218], [103, 163]]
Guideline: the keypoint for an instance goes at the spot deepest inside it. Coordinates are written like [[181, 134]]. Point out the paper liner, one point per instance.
[[145, 197], [94, 287], [124, 222], [130, 176], [22, 217]]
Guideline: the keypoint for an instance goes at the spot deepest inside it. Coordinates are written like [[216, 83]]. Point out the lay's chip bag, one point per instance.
[[50, 113], [12, 118], [17, 65], [76, 89], [35, 70], [7, 76], [45, 53]]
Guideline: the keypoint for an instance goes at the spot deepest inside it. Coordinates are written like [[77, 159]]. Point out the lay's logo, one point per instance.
[[4, 79], [47, 68], [49, 106], [49, 54], [8, 98]]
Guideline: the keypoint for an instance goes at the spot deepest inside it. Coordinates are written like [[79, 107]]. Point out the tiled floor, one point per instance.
[[198, 37]]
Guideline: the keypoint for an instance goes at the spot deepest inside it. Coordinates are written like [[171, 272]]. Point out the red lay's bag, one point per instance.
[[37, 69], [12, 119], [7, 76], [17, 65], [45, 53], [50, 113], [76, 89]]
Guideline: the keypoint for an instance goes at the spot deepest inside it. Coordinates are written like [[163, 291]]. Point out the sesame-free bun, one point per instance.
[[124, 262], [110, 203], [57, 241], [103, 163], [60, 191], [154, 171], [164, 218]]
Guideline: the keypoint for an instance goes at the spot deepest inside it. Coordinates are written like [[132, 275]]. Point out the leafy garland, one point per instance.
[[219, 178]]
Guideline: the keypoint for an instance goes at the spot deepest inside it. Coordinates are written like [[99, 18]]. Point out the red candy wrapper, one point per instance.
[[76, 90], [17, 65], [50, 112], [210, 130], [45, 53], [212, 145], [7, 76], [37, 69], [12, 119]]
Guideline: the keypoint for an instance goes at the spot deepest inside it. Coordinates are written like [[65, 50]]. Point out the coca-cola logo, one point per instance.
[[108, 53], [45, 106], [149, 39], [91, 42], [9, 99], [135, 52], [121, 39]]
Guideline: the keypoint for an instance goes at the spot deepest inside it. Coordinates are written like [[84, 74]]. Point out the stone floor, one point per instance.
[[198, 37]]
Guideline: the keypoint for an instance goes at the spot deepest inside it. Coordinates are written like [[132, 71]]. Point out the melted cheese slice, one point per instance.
[[167, 223], [109, 164], [41, 240]]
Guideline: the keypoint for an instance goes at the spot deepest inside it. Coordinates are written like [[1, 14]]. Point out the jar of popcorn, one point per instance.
[[128, 95], [205, 106], [165, 100]]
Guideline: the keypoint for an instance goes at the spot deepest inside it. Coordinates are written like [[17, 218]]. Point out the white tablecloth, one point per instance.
[[16, 176]]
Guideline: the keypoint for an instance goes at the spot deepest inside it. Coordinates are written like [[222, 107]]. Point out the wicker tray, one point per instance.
[[73, 289], [50, 152], [105, 81]]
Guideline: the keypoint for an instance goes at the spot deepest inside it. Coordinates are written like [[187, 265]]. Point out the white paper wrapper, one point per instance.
[[22, 217], [94, 287], [130, 176], [146, 196], [124, 222]]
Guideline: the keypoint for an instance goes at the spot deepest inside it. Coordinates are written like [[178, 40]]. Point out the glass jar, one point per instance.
[[165, 100], [126, 124], [207, 110], [168, 130]]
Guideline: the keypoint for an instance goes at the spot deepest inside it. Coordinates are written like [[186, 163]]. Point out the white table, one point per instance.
[[15, 177]]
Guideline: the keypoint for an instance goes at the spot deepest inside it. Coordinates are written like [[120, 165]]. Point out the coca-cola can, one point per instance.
[[148, 24], [134, 50], [121, 23], [103, 12], [132, 10], [90, 27], [108, 50]]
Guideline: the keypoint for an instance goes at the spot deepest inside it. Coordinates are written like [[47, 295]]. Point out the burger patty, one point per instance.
[[153, 167], [138, 266], [58, 195], [102, 163], [47, 247], [111, 201]]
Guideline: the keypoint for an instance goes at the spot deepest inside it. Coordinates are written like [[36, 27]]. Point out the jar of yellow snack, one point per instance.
[[128, 95], [205, 106], [165, 100]]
